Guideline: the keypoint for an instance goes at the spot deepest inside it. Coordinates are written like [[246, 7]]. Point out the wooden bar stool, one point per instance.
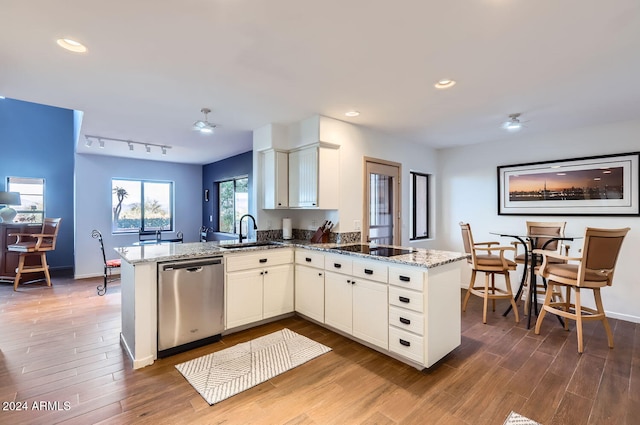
[[35, 244]]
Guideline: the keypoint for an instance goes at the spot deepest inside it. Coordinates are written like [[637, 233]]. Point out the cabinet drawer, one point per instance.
[[376, 271], [310, 258], [406, 319], [406, 298], [406, 278], [338, 263], [265, 258], [406, 344]]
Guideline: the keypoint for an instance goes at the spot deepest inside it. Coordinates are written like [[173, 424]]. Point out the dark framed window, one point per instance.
[[419, 205], [31, 209], [233, 203], [141, 205]]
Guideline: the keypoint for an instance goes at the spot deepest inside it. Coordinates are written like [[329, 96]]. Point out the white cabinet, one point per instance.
[[338, 302], [314, 177], [258, 285], [424, 312], [356, 305], [275, 167], [309, 284], [244, 297]]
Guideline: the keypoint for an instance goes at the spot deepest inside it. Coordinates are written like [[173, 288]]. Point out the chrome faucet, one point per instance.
[[255, 227]]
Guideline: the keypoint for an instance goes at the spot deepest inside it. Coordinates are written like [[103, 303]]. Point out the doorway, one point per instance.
[[381, 224]]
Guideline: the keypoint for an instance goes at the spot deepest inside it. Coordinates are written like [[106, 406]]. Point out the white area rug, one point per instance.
[[517, 419], [225, 373]]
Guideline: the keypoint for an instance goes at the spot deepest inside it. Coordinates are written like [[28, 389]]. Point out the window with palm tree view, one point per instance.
[[233, 203], [141, 205]]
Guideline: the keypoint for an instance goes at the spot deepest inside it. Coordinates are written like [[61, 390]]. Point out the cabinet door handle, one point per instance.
[[307, 259], [319, 274], [405, 321], [263, 260], [337, 265], [405, 343], [404, 300], [266, 271], [348, 281], [404, 278], [368, 271]]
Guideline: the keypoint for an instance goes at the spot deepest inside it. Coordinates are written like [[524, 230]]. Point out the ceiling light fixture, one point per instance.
[[513, 124], [445, 83], [71, 45], [352, 113], [205, 126], [101, 140]]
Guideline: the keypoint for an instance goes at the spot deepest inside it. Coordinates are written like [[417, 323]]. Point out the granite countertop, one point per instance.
[[420, 257]]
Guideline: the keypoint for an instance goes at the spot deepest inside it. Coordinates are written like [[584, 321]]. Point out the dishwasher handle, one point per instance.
[[192, 266]]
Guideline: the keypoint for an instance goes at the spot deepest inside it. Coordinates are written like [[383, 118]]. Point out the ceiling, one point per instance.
[[152, 65]]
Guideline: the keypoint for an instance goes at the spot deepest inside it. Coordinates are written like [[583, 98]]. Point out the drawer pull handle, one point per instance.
[[263, 260], [404, 300], [404, 278], [405, 343], [307, 259], [368, 271], [405, 321], [337, 265]]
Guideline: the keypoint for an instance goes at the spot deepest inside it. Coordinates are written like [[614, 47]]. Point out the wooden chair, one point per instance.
[[109, 265], [482, 260], [594, 270], [35, 244], [537, 230]]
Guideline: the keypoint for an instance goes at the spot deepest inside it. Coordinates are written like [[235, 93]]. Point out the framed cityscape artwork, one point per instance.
[[597, 185]]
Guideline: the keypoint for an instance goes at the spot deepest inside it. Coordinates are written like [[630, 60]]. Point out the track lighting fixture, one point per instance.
[[130, 143]]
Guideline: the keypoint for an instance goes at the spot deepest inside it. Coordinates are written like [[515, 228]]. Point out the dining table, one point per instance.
[[530, 263]]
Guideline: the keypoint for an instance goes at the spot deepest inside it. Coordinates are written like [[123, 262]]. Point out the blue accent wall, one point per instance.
[[235, 166], [38, 141]]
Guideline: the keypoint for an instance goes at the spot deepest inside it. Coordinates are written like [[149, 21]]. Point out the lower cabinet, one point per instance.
[[260, 292], [309, 294], [358, 307]]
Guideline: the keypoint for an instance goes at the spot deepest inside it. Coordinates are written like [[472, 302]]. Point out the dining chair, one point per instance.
[[109, 265], [482, 259], [537, 230], [593, 270], [35, 244]]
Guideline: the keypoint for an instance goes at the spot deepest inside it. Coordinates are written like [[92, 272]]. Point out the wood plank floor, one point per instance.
[[61, 345]]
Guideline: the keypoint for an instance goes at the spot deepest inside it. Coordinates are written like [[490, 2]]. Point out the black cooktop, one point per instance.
[[381, 251]]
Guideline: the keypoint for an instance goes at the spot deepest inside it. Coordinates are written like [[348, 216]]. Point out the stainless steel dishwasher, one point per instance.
[[190, 304]]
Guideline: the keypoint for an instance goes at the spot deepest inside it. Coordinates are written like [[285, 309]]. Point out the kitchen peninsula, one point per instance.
[[403, 302]]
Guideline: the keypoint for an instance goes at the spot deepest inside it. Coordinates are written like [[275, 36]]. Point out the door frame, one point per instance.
[[365, 199]]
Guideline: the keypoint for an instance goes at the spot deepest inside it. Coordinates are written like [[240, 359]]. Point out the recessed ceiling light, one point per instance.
[[71, 45], [445, 83], [352, 113]]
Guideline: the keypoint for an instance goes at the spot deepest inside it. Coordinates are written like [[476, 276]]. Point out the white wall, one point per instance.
[[93, 203], [467, 191], [355, 142]]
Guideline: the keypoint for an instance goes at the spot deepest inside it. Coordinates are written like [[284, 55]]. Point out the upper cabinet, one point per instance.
[[314, 177], [275, 168]]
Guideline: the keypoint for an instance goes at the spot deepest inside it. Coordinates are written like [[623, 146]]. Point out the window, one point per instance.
[[420, 206], [141, 205], [233, 203], [31, 210]]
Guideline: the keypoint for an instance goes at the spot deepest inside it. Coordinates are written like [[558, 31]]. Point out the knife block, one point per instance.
[[320, 237]]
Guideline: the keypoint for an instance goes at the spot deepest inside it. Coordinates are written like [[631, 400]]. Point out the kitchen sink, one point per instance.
[[247, 245]]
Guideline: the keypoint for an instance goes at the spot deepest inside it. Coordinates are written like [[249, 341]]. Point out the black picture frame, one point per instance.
[[605, 185]]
